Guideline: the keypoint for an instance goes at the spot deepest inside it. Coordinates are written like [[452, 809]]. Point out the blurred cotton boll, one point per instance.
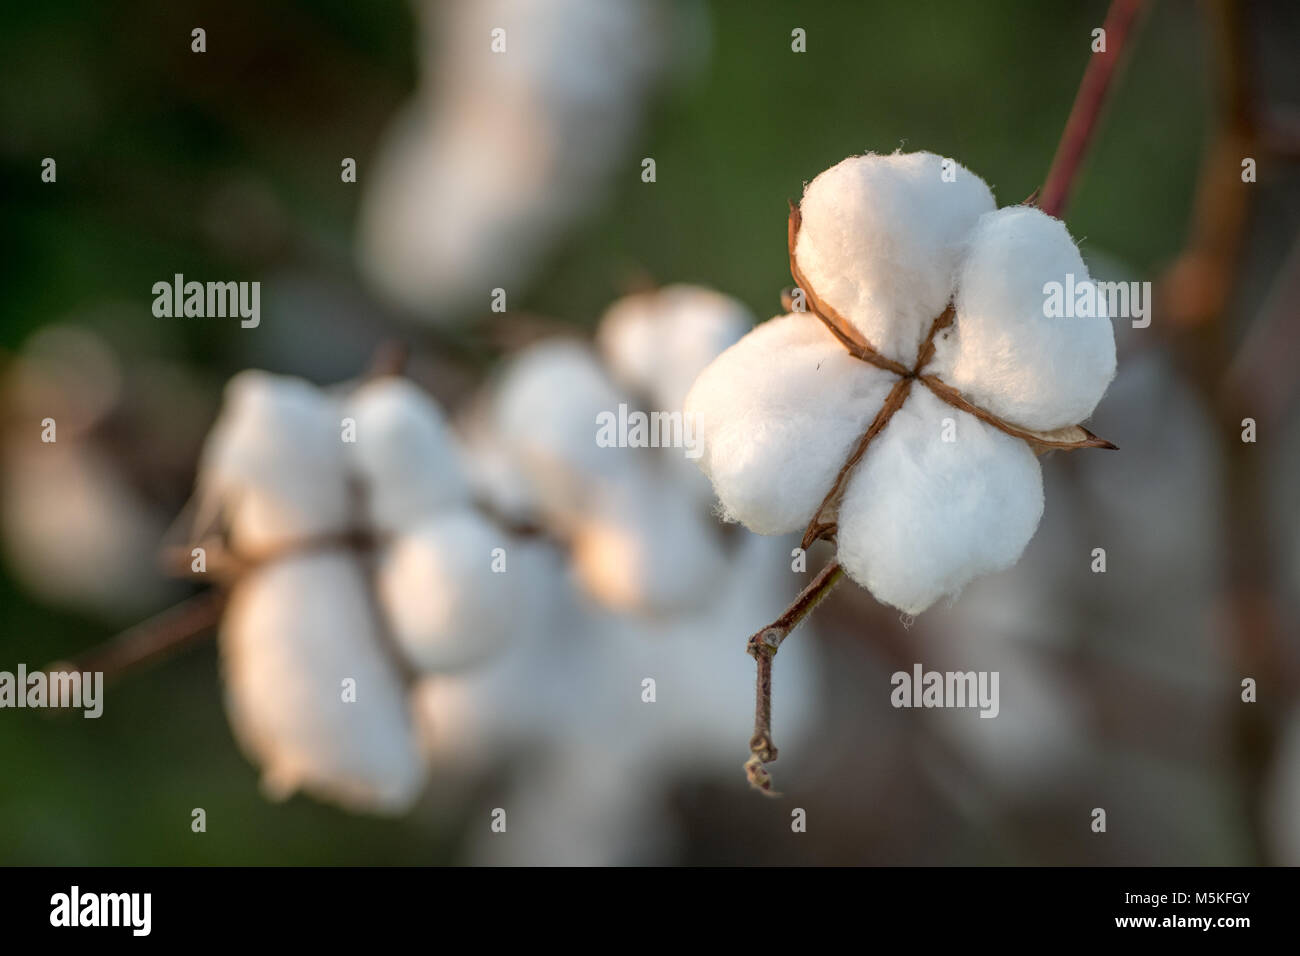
[[77, 533], [77, 528], [295, 633], [523, 112], [360, 566], [656, 343], [596, 715]]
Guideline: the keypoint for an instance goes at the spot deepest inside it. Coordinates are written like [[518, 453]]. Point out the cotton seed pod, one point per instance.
[[845, 423], [443, 603], [882, 239], [294, 633], [523, 112], [1003, 352], [656, 343], [404, 454], [273, 467]]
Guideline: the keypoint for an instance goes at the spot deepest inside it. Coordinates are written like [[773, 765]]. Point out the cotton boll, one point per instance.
[[443, 602], [295, 630], [547, 405], [1003, 352], [501, 151], [881, 241], [777, 415], [644, 547], [657, 343], [404, 452], [273, 465], [75, 532], [922, 516]]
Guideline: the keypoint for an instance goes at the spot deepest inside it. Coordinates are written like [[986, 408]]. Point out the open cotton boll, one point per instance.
[[882, 238], [444, 604], [545, 411], [644, 547], [777, 414], [295, 630], [657, 343], [273, 465], [922, 516], [1003, 352], [405, 453]]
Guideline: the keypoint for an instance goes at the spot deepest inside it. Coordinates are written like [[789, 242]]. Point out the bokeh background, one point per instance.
[[1119, 690]]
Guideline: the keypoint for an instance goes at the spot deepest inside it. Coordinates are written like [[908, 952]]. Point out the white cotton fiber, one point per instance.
[[643, 546], [656, 343], [1003, 352], [404, 453], [441, 599], [881, 241], [294, 631], [923, 516], [778, 414], [273, 465], [545, 411]]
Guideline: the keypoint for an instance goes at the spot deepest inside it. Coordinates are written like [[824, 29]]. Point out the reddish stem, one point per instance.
[[1088, 104]]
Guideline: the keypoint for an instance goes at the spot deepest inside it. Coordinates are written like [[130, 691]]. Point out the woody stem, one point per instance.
[[762, 646], [1089, 101]]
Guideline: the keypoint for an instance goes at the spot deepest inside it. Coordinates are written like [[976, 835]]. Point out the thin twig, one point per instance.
[[1086, 111], [763, 646], [181, 626]]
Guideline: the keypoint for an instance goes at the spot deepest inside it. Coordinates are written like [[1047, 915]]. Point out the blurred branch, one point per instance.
[[1089, 102], [183, 626]]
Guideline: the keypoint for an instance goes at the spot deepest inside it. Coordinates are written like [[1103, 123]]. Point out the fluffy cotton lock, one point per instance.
[[882, 239], [1004, 353], [294, 631], [404, 453], [657, 343], [273, 467], [886, 244], [443, 602]]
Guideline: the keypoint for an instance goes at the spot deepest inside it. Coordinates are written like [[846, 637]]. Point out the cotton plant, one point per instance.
[[357, 565], [640, 536], [899, 412], [522, 114]]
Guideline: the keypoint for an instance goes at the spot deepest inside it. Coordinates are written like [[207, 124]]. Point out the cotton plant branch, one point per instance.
[[1085, 114], [1052, 198]]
